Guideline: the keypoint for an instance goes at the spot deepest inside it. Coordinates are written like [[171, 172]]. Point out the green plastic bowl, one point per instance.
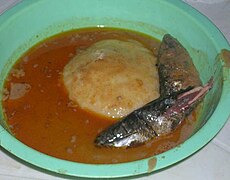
[[32, 21]]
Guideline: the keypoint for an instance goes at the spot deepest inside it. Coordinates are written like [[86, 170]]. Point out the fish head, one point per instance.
[[107, 139]]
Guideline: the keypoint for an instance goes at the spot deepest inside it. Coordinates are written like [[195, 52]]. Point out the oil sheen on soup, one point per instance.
[[57, 101]]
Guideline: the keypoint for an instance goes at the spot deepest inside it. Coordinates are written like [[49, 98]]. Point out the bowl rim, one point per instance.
[[197, 141]]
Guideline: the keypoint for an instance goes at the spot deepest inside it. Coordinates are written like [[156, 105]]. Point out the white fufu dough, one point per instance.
[[112, 77]]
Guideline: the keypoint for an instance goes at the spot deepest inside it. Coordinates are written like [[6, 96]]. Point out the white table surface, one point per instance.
[[210, 163]]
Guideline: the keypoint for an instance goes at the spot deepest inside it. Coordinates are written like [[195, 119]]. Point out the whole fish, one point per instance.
[[180, 92], [175, 67], [158, 117]]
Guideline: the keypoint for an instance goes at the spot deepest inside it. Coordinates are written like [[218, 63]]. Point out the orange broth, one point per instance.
[[44, 117]]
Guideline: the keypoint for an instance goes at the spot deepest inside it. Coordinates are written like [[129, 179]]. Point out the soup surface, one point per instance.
[[40, 114]]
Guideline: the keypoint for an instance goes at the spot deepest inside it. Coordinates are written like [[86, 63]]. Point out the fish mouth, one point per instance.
[[106, 139], [101, 140]]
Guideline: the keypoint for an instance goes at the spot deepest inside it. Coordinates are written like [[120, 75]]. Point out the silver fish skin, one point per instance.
[[158, 117]]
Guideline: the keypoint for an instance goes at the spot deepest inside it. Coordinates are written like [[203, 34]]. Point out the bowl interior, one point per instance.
[[32, 21]]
